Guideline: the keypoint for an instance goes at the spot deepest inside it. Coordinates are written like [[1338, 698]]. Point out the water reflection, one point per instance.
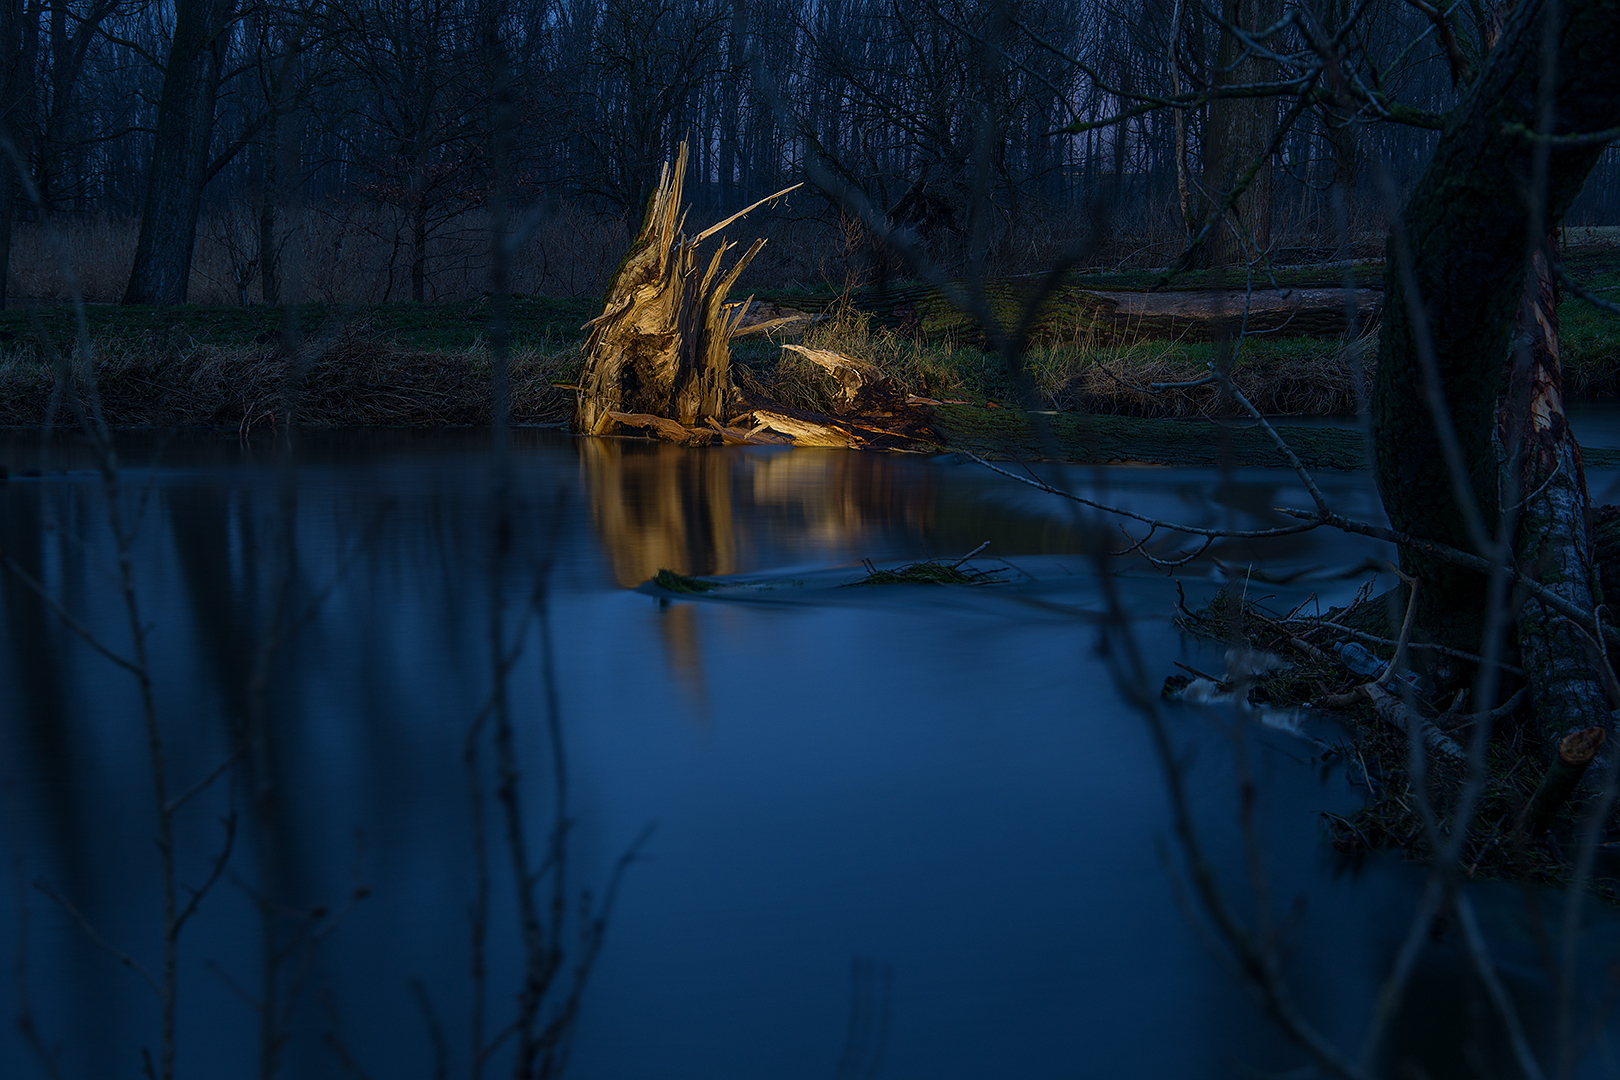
[[941, 788], [658, 506]]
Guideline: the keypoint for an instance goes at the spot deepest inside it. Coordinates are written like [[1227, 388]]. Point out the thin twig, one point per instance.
[[95, 935]]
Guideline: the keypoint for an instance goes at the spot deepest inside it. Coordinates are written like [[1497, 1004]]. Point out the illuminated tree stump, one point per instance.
[[660, 350]]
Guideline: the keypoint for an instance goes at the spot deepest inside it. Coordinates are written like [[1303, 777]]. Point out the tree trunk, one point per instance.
[[1461, 247], [1239, 131], [419, 238], [1555, 526], [269, 242], [12, 76], [662, 345], [180, 153]]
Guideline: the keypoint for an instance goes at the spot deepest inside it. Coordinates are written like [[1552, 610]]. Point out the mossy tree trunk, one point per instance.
[[1554, 543], [1457, 266], [662, 345]]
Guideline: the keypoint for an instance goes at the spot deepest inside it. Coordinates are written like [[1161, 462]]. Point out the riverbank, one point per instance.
[[428, 365]]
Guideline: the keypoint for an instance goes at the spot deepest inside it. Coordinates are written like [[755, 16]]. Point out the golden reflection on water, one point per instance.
[[714, 511], [668, 509], [724, 509]]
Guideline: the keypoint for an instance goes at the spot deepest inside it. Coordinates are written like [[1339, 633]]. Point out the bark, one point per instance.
[[419, 238], [12, 75], [1183, 190], [1555, 534], [1462, 247], [180, 154], [269, 242], [662, 345]]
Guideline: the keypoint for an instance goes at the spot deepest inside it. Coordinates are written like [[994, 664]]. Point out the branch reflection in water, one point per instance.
[[943, 782], [269, 665]]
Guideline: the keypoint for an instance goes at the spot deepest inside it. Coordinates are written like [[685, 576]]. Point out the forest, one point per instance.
[[329, 336], [213, 152]]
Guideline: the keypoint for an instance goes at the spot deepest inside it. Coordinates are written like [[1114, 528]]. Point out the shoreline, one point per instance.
[[1004, 435]]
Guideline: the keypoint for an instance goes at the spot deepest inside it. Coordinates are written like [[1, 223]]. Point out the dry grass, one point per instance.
[[349, 380], [343, 253], [1300, 377], [1118, 380]]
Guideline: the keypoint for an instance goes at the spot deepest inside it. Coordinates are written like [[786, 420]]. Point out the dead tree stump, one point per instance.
[[661, 346]]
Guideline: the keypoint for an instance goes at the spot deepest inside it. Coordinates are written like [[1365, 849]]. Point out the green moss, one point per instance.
[[680, 583]]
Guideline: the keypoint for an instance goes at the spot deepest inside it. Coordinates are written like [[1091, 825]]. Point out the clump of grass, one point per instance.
[[681, 583], [928, 572], [1589, 338]]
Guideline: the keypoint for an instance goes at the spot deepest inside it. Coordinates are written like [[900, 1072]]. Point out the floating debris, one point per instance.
[[932, 572]]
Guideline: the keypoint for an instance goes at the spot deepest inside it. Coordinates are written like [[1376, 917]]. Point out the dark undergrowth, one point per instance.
[[1315, 665]]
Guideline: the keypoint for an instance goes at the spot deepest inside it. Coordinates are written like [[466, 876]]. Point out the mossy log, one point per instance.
[[1075, 314], [1555, 539]]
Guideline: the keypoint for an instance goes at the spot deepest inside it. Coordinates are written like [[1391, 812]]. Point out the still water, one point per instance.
[[899, 832]]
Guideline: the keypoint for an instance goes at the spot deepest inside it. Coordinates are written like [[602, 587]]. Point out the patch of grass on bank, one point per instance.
[[1282, 376], [536, 323], [1589, 338], [405, 363]]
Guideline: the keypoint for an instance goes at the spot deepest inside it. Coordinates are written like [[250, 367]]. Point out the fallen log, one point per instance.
[[1073, 313], [806, 432], [661, 426]]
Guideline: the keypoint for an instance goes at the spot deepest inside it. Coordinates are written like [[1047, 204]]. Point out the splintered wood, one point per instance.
[[658, 358], [662, 345]]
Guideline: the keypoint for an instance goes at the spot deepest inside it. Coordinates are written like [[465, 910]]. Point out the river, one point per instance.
[[906, 831]]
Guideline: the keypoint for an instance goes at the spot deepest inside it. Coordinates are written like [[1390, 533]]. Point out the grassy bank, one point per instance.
[[409, 364]]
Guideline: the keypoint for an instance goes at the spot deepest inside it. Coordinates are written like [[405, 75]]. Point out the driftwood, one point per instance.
[[1394, 712], [805, 432]]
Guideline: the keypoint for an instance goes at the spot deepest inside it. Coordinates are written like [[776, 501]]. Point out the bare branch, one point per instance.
[[95, 935]]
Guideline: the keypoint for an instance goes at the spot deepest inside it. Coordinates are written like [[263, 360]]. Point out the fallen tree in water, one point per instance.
[[658, 359]]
